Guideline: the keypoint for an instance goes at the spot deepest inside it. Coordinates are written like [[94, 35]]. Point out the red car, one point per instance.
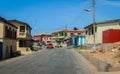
[[49, 46]]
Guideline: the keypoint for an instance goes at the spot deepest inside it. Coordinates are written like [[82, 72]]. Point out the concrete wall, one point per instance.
[[101, 28], [26, 34], [100, 65], [24, 50], [1, 31], [89, 39], [82, 40], [79, 40], [9, 46], [75, 32]]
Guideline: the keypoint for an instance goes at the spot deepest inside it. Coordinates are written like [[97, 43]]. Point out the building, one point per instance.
[[42, 38], [65, 36], [7, 39], [24, 38], [79, 40], [59, 35], [99, 28], [111, 36]]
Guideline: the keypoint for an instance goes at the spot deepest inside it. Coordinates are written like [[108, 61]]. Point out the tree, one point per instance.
[[75, 28]]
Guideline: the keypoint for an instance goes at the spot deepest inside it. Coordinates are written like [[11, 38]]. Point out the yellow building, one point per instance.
[[100, 27], [7, 39], [24, 37]]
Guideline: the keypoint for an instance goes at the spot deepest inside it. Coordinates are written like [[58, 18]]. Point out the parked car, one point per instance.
[[49, 46]]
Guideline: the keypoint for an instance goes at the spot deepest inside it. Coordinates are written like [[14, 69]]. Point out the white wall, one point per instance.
[[100, 28], [103, 27]]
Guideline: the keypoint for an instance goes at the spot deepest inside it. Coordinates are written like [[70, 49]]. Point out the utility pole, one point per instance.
[[94, 24]]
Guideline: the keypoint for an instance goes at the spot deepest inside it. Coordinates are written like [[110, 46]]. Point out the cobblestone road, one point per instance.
[[48, 61]]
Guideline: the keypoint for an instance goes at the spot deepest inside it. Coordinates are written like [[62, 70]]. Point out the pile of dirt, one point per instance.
[[107, 53]]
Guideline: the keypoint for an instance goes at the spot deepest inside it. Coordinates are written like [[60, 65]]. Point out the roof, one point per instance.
[[68, 31], [20, 22], [60, 31], [109, 21], [5, 21], [46, 34]]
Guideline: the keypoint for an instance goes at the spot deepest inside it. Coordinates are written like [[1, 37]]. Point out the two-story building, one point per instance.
[[24, 38], [59, 35], [66, 36], [99, 28], [8, 40], [43, 38]]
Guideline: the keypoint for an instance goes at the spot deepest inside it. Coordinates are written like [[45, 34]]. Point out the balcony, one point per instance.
[[22, 33]]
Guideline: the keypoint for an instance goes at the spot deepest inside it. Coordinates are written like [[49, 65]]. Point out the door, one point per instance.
[[1, 46]]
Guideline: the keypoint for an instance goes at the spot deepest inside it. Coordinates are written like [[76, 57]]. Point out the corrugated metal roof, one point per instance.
[[43, 34], [109, 21], [68, 31], [20, 22]]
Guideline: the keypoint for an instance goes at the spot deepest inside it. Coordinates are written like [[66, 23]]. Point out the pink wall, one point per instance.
[[46, 38], [42, 38], [74, 32], [37, 38]]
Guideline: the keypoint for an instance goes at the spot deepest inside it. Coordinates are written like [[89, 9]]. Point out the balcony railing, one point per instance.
[[22, 33]]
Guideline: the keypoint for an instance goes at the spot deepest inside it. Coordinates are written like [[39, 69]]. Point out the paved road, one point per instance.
[[48, 61]]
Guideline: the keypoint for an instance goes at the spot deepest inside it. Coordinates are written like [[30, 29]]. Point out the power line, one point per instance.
[[85, 5]]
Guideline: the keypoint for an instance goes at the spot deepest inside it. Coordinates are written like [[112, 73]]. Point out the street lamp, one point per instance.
[[94, 22]]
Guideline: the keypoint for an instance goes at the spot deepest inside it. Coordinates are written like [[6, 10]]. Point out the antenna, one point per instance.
[[35, 27], [65, 27]]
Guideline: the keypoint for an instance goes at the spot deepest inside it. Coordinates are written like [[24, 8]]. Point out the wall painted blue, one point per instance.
[[79, 40], [75, 40]]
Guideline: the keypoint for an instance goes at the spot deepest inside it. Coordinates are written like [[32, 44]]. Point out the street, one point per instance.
[[48, 61]]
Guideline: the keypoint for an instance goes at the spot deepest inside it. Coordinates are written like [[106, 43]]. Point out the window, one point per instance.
[[61, 33], [7, 52], [13, 34], [22, 43], [92, 31], [72, 34], [95, 29], [79, 33], [65, 34], [11, 50], [22, 28], [6, 32], [9, 33]]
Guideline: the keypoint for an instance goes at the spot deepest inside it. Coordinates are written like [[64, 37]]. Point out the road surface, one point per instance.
[[48, 61]]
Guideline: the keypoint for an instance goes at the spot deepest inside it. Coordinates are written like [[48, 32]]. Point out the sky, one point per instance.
[[53, 15]]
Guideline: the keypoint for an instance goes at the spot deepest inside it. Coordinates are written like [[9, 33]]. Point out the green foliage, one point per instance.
[[117, 56]]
